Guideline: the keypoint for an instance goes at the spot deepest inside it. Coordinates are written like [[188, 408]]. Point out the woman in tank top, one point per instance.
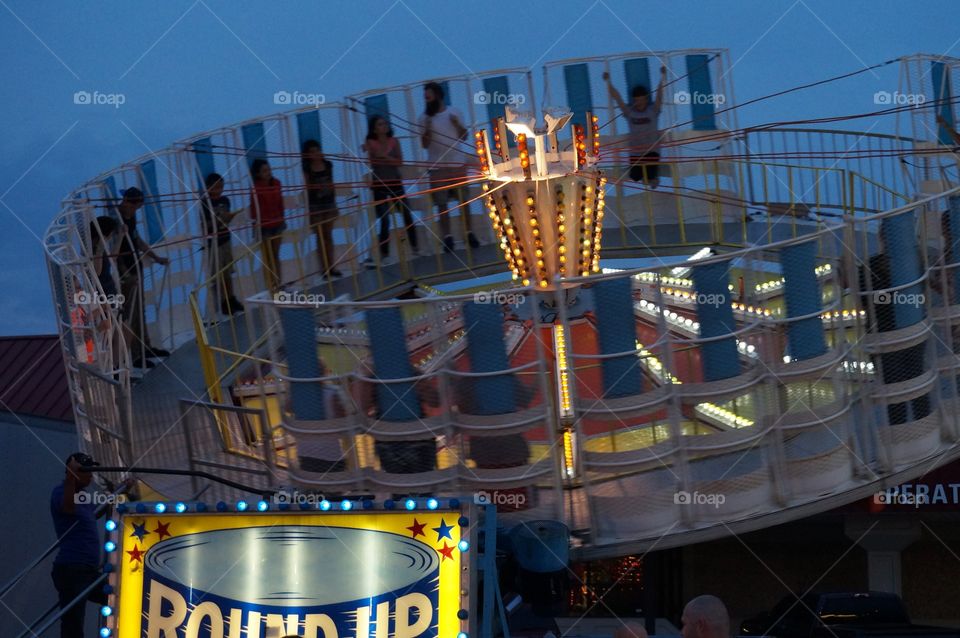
[[386, 157]]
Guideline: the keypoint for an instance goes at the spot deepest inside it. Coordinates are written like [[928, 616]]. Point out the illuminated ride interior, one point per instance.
[[774, 322]]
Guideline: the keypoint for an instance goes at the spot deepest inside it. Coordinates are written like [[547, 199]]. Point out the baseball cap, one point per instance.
[[84, 460]]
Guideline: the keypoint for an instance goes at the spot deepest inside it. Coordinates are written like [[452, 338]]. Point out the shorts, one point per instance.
[[645, 165], [273, 231], [324, 215], [443, 179]]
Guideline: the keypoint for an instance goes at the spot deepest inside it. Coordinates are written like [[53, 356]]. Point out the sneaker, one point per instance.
[[156, 352], [333, 272], [448, 244], [472, 240], [368, 263], [143, 363]]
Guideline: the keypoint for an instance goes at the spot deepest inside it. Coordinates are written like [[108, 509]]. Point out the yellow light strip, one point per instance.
[[561, 233], [568, 452], [538, 252], [516, 247], [598, 224], [480, 138], [562, 371], [586, 229]]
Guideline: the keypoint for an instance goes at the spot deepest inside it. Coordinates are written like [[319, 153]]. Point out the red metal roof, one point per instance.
[[33, 379]]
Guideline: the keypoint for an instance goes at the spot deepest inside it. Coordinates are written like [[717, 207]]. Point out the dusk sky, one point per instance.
[[184, 67]]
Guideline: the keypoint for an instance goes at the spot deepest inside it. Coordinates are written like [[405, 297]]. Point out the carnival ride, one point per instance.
[[725, 353]]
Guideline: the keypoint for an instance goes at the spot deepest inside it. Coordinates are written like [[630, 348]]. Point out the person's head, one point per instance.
[[102, 226], [705, 617], [260, 169], [309, 151], [630, 629], [640, 95], [75, 462], [214, 184], [377, 126], [131, 202], [433, 97]]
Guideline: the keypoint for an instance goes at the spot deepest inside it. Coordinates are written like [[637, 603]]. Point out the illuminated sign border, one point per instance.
[[141, 526]]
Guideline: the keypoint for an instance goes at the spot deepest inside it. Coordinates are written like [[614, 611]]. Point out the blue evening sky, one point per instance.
[[186, 66]]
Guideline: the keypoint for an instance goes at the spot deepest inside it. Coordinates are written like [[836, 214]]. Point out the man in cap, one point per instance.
[[77, 564], [130, 264]]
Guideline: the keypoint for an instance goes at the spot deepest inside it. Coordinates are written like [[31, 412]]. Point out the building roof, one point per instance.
[[33, 380]]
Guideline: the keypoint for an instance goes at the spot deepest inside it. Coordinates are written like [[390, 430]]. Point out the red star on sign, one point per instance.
[[162, 530], [136, 555], [446, 551], [417, 528]]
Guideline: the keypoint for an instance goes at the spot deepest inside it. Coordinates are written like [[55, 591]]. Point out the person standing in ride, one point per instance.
[[130, 266], [101, 232], [644, 137], [321, 202], [386, 157], [443, 135], [216, 218], [266, 209]]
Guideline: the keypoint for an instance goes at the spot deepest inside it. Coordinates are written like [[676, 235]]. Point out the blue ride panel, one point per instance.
[[616, 332], [488, 353], [376, 105], [203, 155], [900, 243], [637, 71], [801, 292], [940, 76], [255, 142], [577, 80], [952, 252], [300, 344], [701, 88], [495, 86], [151, 210], [388, 344], [308, 127], [719, 359]]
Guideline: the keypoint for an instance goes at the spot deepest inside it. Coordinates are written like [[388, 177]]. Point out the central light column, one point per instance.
[[548, 216]]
